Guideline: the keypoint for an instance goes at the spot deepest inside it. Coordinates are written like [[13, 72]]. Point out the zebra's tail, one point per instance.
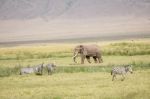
[[111, 72]]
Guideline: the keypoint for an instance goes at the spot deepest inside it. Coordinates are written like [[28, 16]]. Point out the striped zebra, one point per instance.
[[26, 70], [50, 68], [121, 70], [38, 69]]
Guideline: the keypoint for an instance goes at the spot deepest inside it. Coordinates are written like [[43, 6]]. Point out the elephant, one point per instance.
[[87, 51]]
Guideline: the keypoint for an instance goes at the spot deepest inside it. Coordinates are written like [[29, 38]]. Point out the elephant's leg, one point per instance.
[[99, 56], [100, 60], [82, 59], [88, 59], [95, 59]]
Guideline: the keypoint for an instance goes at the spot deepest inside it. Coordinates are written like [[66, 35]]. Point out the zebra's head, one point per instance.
[[54, 66], [129, 68]]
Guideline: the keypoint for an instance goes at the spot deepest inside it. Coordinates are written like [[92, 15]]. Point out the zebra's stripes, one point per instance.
[[38, 69], [121, 70], [50, 68]]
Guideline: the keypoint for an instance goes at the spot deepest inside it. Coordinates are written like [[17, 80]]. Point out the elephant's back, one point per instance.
[[92, 49]]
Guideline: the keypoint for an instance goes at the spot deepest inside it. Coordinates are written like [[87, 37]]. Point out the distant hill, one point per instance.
[[27, 9], [33, 20]]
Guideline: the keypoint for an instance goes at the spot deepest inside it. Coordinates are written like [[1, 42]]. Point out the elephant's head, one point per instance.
[[80, 49]]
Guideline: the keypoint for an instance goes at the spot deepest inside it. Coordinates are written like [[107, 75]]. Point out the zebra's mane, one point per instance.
[[127, 67]]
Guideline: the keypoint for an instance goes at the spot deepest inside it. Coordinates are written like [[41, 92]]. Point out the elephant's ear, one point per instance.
[[81, 46], [85, 52]]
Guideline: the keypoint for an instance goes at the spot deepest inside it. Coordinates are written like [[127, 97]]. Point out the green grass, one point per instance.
[[67, 61], [75, 81], [66, 65], [125, 48], [76, 86]]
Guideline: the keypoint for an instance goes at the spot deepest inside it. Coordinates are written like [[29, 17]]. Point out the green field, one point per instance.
[[75, 81]]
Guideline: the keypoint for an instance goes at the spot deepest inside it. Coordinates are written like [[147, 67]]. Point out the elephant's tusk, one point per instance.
[[75, 57]]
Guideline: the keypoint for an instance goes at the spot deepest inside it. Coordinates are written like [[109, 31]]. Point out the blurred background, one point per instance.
[[58, 20]]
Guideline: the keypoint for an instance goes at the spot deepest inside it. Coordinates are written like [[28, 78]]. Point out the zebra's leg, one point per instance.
[[114, 76], [22, 73], [41, 71], [123, 77], [49, 72]]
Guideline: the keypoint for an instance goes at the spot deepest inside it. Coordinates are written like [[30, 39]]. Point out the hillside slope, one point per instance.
[[25, 20]]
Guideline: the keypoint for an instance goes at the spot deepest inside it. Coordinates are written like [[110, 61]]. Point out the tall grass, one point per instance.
[[7, 71], [127, 48], [30, 52], [66, 50]]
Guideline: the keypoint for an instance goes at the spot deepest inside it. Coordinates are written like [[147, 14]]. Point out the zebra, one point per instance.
[[26, 70], [121, 70], [50, 68], [38, 69]]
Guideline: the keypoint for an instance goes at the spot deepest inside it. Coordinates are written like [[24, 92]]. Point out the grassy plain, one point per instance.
[[76, 86], [75, 81]]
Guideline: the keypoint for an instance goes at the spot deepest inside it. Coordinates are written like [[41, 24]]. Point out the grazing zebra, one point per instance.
[[50, 68], [121, 71], [36, 69], [26, 70]]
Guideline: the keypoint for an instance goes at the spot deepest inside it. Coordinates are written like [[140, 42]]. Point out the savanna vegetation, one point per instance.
[[125, 48], [70, 80]]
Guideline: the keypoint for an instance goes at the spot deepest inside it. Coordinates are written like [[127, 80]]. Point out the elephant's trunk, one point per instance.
[[74, 57]]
